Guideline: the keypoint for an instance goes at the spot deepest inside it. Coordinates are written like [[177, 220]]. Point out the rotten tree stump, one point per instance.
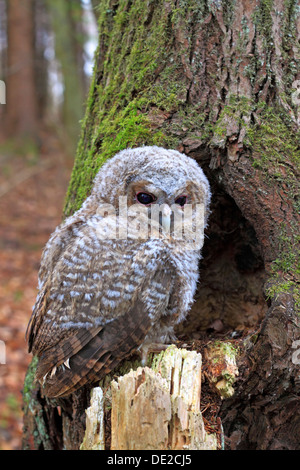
[[153, 408]]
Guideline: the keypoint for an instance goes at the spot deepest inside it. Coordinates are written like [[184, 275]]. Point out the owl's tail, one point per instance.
[[113, 343]]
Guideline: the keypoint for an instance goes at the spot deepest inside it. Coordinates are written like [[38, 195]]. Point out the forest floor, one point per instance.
[[32, 192]]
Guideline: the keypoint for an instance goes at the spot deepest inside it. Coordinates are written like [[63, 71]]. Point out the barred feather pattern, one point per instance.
[[102, 298]]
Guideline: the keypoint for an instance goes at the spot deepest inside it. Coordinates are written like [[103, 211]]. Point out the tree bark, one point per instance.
[[216, 80]]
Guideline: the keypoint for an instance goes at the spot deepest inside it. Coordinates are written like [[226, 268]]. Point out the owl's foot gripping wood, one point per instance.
[[151, 348]]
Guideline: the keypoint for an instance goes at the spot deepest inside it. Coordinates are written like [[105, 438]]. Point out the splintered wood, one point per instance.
[[94, 432], [159, 408], [182, 370], [141, 411]]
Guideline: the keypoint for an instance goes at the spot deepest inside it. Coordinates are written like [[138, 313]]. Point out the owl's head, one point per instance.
[[153, 176]]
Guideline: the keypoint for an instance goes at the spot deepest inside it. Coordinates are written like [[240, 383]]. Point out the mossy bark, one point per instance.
[[214, 79]]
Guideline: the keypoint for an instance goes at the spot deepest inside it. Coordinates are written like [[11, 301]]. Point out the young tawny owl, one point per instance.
[[122, 271]]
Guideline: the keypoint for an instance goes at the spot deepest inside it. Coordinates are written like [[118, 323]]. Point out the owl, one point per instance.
[[118, 275]]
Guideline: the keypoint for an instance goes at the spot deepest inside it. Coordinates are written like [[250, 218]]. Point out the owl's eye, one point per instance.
[[145, 198], [181, 200]]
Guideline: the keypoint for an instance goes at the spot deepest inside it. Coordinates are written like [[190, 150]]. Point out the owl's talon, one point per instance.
[[67, 363], [152, 348]]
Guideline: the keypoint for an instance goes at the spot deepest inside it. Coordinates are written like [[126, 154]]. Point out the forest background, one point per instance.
[[46, 59], [216, 79]]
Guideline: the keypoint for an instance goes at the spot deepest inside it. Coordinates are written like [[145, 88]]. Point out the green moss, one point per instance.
[[33, 410], [222, 369], [116, 111], [289, 252], [136, 70], [289, 42], [285, 269], [286, 40], [278, 286], [263, 20], [276, 149], [231, 120], [226, 349], [275, 154], [120, 129], [29, 382]]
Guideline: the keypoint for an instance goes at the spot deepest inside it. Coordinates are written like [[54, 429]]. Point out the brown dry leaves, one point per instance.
[[30, 209]]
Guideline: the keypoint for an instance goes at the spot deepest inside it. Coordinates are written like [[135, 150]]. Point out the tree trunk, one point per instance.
[[215, 80], [42, 31], [21, 102], [66, 50]]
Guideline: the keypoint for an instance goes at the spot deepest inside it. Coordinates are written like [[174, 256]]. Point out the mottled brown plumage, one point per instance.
[[103, 296]]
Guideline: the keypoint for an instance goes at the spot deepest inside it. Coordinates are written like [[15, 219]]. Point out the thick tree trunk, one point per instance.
[[215, 80]]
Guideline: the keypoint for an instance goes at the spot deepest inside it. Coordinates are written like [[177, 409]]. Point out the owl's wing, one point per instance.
[[100, 355], [37, 333], [93, 311]]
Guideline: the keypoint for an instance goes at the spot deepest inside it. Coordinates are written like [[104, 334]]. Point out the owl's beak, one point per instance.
[[166, 218]]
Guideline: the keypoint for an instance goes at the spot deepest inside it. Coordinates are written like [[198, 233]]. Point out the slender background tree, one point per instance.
[[44, 65], [21, 118]]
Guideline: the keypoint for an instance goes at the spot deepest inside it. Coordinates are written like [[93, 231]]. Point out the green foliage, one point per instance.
[[27, 149], [12, 411]]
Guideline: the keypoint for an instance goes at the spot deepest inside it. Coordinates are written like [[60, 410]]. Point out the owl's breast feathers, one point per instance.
[[96, 305]]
